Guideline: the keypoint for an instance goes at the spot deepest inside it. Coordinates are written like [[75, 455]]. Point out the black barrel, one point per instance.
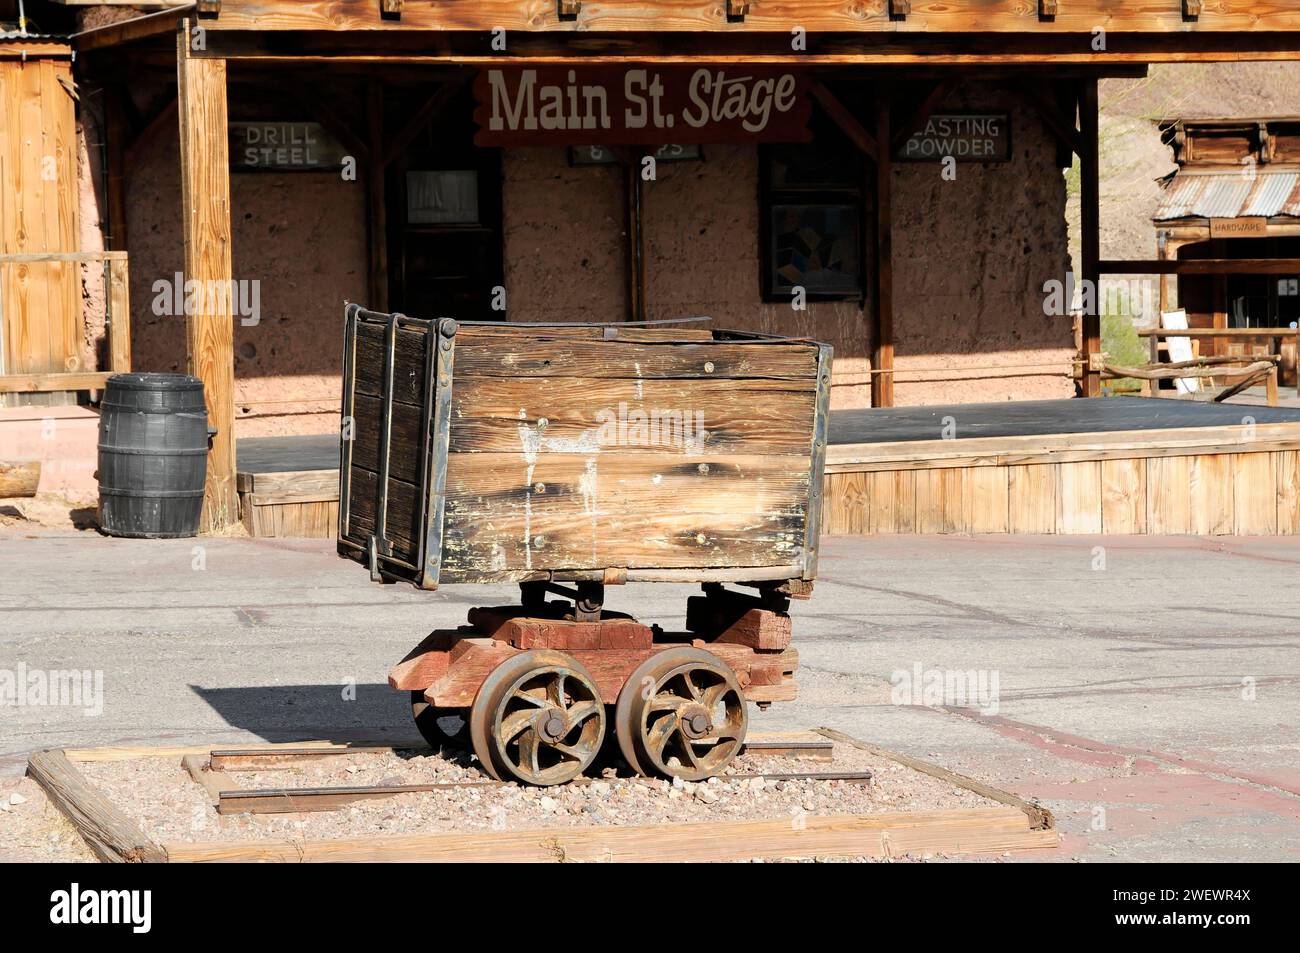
[[153, 455]]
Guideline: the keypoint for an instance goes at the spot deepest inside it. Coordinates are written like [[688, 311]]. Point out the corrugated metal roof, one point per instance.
[[1230, 195]]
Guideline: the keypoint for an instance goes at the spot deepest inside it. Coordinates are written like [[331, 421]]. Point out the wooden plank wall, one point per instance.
[[41, 329], [531, 485], [1205, 494]]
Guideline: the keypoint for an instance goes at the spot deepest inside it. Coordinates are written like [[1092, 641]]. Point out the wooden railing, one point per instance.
[[118, 326], [1269, 334]]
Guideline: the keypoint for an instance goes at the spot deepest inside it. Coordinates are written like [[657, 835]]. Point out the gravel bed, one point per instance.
[[170, 806]]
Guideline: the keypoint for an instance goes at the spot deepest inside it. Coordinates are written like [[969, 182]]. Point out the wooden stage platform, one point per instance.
[[289, 486], [1104, 465], [1126, 465]]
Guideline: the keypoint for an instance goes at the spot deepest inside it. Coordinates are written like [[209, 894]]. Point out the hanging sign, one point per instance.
[[639, 105], [967, 137], [283, 147]]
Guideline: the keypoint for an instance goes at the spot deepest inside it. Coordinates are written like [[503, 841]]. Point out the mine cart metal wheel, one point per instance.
[[440, 727], [537, 718], [681, 714]]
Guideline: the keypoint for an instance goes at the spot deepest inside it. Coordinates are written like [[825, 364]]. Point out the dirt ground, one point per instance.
[[170, 806], [32, 830], [43, 513]]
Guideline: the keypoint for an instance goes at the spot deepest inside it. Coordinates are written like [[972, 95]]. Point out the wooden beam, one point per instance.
[[376, 200], [1217, 333], [1090, 234], [889, 834], [1063, 127], [882, 382], [116, 137], [431, 110], [736, 45], [842, 117], [111, 835], [119, 317], [936, 98], [160, 121], [633, 199], [1203, 266], [19, 478], [205, 223], [816, 16]]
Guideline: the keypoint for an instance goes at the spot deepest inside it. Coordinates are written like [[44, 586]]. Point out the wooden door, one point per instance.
[[40, 330]]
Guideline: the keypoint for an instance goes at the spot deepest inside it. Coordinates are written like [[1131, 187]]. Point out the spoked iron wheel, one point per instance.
[[440, 727], [681, 714], [537, 718]]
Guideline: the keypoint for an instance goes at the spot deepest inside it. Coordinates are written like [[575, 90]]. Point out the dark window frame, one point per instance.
[[856, 191]]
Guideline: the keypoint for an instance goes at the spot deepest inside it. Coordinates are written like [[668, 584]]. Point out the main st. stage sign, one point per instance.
[[639, 105]]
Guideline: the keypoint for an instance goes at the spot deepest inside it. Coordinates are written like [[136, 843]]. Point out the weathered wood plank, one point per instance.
[[673, 416], [1032, 499], [1288, 492], [541, 355], [1079, 497], [1210, 496], [1254, 494], [973, 830], [770, 16], [985, 502], [601, 485], [408, 363], [1058, 448], [1123, 496], [1169, 495], [642, 539], [205, 200], [846, 503], [109, 833]]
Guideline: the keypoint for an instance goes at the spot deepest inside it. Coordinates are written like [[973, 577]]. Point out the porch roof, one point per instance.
[[1243, 194]]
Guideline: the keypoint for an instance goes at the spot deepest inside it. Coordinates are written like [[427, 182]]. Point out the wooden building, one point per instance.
[[884, 176], [1235, 196]]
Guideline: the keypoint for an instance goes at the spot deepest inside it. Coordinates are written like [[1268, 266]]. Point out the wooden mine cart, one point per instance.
[[569, 458]]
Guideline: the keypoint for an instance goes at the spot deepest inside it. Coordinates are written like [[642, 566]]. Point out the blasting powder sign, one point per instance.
[[639, 105], [967, 137]]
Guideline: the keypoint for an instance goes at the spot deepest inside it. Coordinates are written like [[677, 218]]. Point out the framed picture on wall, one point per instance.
[[816, 247]]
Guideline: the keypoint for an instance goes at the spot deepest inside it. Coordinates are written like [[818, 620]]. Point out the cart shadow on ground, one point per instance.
[[338, 712]]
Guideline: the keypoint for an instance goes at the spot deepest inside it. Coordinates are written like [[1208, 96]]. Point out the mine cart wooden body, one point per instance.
[[587, 455]]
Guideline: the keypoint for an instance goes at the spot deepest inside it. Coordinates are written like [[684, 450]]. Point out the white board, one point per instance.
[[1180, 349]]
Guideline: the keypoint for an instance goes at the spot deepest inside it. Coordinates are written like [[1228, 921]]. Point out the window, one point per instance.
[[1263, 301], [812, 212], [444, 215]]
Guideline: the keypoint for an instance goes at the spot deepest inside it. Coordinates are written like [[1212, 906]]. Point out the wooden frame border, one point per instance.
[[114, 838], [1062, 448]]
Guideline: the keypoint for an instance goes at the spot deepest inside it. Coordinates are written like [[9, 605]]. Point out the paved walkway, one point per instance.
[[1147, 690]]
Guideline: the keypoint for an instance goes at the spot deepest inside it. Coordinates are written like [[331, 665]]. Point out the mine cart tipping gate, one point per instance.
[[542, 677]]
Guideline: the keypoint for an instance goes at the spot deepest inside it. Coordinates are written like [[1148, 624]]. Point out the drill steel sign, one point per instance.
[[639, 105]]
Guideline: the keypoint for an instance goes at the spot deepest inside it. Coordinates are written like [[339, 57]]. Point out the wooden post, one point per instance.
[[376, 199], [116, 136], [882, 381], [205, 217], [119, 315], [633, 196], [1090, 233]]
